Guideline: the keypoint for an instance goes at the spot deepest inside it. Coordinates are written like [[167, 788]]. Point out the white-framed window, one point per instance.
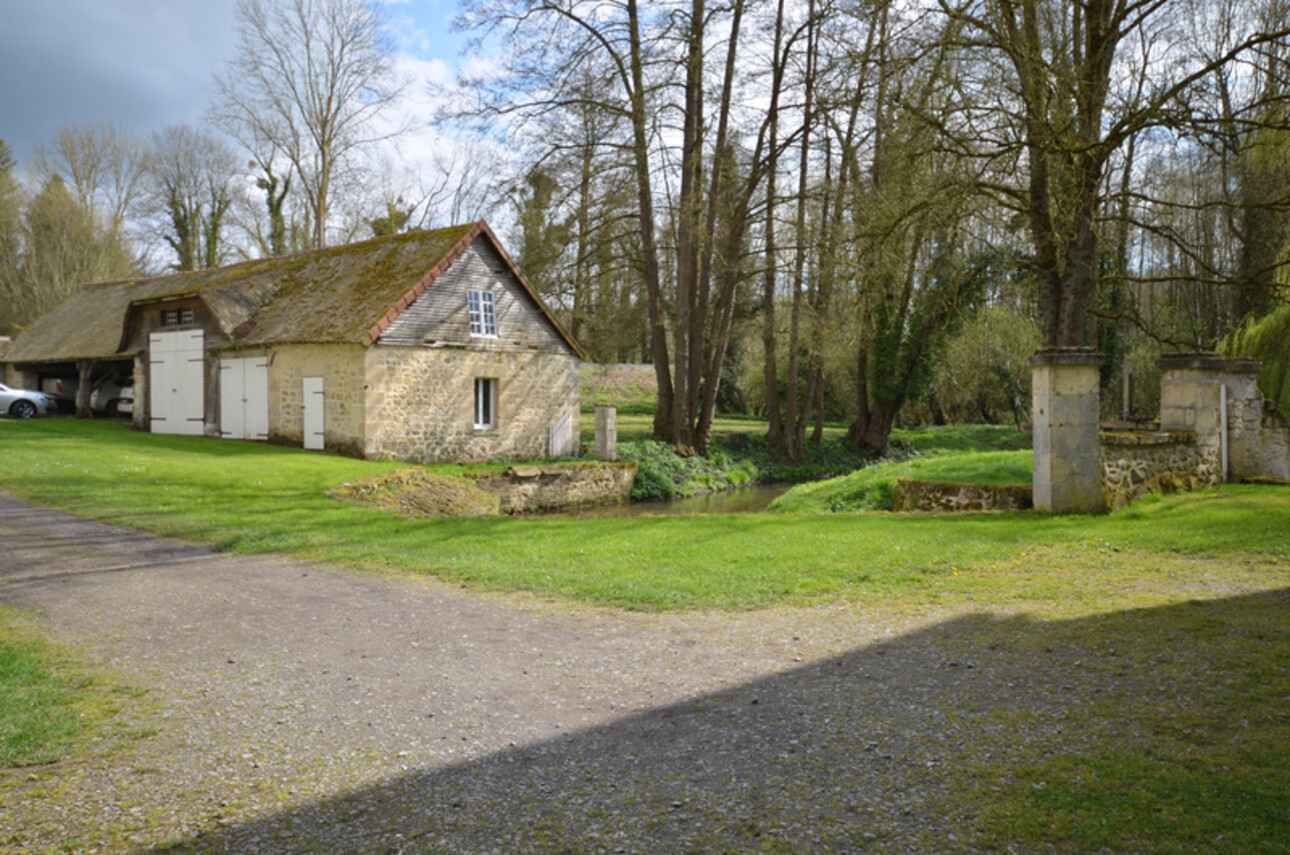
[[177, 317], [485, 403], [483, 313]]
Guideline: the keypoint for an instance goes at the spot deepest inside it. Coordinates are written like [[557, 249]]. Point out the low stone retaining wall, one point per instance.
[[1135, 463], [914, 495], [558, 485]]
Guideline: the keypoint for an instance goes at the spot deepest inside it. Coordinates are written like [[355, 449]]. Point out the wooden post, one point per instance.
[[84, 369], [1126, 412]]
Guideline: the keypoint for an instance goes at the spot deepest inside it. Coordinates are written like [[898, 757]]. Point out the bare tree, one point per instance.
[[310, 77], [1070, 105], [194, 177], [104, 167]]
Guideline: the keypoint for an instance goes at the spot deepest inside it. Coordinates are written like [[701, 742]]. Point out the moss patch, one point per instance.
[[418, 493]]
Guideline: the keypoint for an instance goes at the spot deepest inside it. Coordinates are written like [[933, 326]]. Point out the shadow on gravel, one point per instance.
[[895, 747]]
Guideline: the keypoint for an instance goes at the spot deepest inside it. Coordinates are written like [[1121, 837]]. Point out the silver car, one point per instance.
[[25, 404]]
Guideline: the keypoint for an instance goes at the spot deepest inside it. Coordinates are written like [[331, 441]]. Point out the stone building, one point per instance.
[[429, 346]]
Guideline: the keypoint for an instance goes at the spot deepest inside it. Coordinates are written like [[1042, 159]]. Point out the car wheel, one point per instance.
[[114, 407], [23, 410]]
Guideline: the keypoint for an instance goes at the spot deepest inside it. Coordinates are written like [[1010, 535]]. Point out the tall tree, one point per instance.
[[104, 166], [64, 246], [11, 205], [310, 77], [692, 214], [1069, 104], [194, 179]]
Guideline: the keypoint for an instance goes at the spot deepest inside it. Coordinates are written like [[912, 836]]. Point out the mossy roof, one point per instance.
[[342, 294]]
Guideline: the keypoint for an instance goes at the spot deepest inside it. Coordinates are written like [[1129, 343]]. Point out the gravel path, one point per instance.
[[293, 707]]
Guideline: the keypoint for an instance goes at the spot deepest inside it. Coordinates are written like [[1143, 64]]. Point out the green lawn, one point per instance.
[[249, 497], [1209, 774]]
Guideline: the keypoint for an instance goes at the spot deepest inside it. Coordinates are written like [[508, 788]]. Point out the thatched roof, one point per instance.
[[346, 294]]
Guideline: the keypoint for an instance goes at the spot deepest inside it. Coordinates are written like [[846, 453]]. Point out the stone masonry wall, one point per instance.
[[566, 485], [1258, 434], [915, 495], [420, 403], [1135, 463], [341, 367]]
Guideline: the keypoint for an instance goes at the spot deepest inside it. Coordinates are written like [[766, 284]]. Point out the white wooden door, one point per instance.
[[244, 398], [313, 412], [177, 389]]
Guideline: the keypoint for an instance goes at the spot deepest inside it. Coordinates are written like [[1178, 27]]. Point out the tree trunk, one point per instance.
[[664, 426]]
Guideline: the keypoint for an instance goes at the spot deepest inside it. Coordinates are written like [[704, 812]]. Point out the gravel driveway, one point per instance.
[[294, 707]]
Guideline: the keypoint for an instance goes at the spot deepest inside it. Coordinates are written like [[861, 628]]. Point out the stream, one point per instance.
[[745, 500]]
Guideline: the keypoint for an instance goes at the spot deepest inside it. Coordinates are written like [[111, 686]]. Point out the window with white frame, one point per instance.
[[483, 313], [485, 403]]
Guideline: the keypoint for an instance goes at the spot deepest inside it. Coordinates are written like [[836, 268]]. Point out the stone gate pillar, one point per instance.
[[1068, 453]]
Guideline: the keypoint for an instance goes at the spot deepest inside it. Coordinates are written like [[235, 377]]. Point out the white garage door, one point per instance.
[[178, 388], [244, 398]]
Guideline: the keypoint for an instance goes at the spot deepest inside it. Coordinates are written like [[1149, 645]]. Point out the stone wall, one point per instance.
[[915, 495], [341, 367], [420, 402], [1258, 434], [565, 485], [1135, 463]]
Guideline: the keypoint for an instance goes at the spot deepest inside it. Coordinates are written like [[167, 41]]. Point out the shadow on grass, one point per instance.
[[1151, 729]]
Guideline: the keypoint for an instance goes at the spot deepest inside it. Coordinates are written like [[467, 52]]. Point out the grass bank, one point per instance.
[[740, 455], [874, 487], [253, 498]]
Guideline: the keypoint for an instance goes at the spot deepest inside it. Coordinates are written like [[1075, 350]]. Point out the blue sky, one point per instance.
[[145, 64]]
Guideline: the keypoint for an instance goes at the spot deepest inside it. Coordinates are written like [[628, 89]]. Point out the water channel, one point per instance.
[[745, 500]]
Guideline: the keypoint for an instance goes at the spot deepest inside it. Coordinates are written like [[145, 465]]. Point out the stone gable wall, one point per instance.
[[420, 403]]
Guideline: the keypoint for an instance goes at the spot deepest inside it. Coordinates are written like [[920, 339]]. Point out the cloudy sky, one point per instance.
[[145, 64]]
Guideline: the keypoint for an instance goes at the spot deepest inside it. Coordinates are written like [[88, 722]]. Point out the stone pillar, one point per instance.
[[1245, 409], [1068, 454], [1190, 398], [606, 432]]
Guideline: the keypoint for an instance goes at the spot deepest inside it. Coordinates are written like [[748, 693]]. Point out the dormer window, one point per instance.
[[483, 313], [177, 317]]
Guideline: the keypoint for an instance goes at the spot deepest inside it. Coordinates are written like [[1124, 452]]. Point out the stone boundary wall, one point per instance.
[[560, 485], [915, 495], [1135, 463], [1259, 435]]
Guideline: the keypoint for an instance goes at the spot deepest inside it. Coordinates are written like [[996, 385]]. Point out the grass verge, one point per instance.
[[46, 702]]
